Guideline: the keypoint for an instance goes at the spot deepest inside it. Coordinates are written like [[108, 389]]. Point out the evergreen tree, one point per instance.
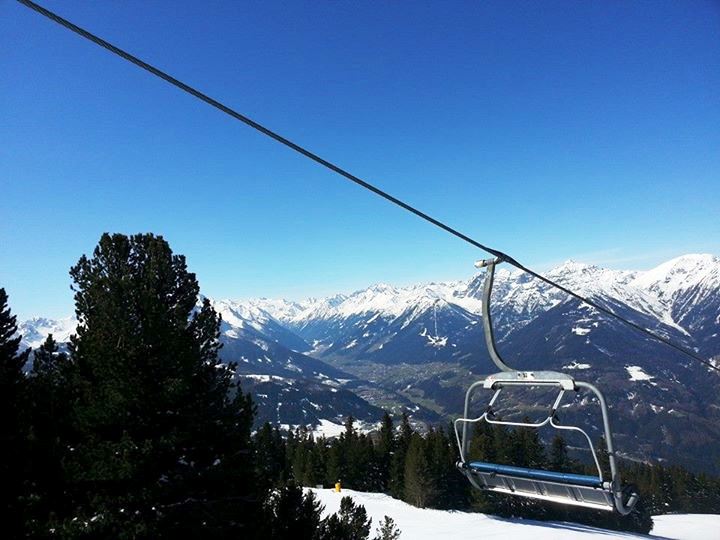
[[50, 364], [319, 460], [307, 461], [385, 451], [292, 515], [161, 433], [354, 449], [526, 451], [419, 489], [363, 469], [387, 530], [527, 447], [49, 412], [440, 469], [337, 468], [13, 423], [451, 487], [351, 459], [558, 454], [350, 523], [397, 463], [270, 457]]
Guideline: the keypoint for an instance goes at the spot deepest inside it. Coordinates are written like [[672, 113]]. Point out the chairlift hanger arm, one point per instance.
[[487, 320]]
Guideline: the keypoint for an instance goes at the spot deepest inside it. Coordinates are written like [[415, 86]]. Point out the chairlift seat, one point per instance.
[[537, 474], [564, 488]]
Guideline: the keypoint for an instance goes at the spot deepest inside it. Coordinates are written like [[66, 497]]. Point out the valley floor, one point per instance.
[[422, 524]]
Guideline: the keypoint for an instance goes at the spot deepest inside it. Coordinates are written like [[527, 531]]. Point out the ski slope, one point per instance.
[[687, 526], [427, 524]]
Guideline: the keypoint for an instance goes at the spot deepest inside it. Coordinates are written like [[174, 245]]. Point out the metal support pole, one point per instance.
[[487, 320], [621, 506]]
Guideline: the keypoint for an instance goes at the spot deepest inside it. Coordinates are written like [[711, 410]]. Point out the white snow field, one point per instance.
[[687, 526], [426, 524]]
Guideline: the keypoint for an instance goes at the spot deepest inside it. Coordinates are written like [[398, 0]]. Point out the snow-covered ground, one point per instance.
[[328, 429], [687, 526], [422, 524]]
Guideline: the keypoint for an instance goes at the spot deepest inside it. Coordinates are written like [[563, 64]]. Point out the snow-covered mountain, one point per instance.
[[653, 292], [418, 347], [687, 289], [678, 299], [34, 331]]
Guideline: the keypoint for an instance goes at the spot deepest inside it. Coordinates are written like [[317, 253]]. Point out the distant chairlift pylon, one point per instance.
[[573, 489]]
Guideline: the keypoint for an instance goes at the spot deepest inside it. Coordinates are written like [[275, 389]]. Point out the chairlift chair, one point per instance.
[[572, 489]]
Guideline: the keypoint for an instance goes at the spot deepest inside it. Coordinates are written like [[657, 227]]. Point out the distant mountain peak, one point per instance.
[[671, 278], [572, 266], [35, 330]]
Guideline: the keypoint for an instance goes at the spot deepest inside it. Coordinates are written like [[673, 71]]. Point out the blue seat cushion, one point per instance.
[[536, 474]]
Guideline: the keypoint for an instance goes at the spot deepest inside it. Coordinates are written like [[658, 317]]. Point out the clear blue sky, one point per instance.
[[550, 130]]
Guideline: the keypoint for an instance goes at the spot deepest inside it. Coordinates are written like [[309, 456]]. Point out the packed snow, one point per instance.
[[427, 524], [577, 365], [328, 429], [637, 374], [687, 526], [579, 331], [266, 378]]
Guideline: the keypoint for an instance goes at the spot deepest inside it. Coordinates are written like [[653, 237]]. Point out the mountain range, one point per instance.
[[417, 348]]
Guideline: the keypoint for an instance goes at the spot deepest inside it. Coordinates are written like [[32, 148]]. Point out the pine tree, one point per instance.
[[13, 423], [387, 530], [419, 488], [481, 448], [292, 515], [385, 450], [49, 363], [351, 459], [337, 468], [397, 464], [306, 462], [270, 460], [49, 412], [450, 487], [350, 523], [525, 447], [347, 445], [350, 432], [363, 466], [459, 487], [440, 468], [558, 454], [320, 460], [299, 456], [527, 451], [161, 433]]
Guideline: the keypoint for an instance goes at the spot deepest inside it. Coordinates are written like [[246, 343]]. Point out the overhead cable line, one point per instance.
[[347, 175]]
